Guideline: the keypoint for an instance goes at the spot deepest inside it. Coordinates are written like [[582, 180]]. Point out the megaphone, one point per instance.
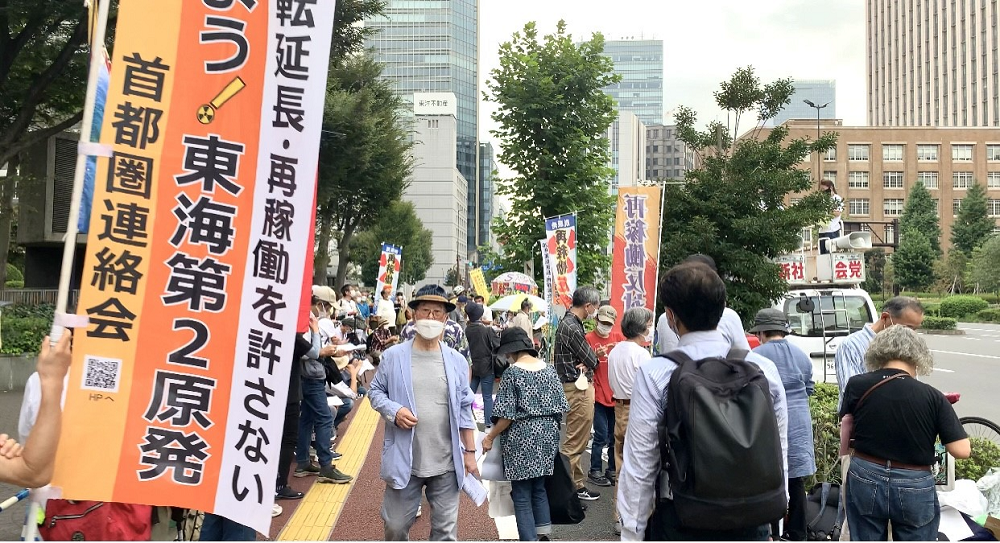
[[855, 241]]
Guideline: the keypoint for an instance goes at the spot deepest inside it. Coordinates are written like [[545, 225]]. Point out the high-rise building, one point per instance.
[[640, 63], [819, 92], [667, 158], [487, 192], [933, 63], [434, 47], [437, 188], [874, 169], [627, 135]]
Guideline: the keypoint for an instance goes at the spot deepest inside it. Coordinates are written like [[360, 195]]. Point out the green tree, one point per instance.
[[364, 160], [921, 214], [914, 261], [950, 272], [733, 207], [973, 224], [399, 225], [874, 270], [554, 118], [985, 268], [491, 262]]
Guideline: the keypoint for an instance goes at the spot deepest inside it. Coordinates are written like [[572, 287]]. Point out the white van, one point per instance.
[[821, 317]]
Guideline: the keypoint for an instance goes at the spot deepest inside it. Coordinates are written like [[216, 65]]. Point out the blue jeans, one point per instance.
[[604, 436], [531, 508], [877, 495], [342, 411], [486, 384], [315, 416], [216, 528]]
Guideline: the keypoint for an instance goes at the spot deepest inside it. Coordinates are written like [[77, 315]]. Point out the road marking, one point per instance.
[[973, 339], [968, 354], [944, 370]]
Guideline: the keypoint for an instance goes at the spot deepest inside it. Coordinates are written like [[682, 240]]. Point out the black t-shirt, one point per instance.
[[900, 420]]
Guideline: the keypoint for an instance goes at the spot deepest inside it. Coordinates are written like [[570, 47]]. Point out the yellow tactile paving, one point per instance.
[[316, 516]]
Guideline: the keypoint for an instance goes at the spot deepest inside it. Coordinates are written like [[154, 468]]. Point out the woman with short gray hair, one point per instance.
[[897, 419], [623, 363]]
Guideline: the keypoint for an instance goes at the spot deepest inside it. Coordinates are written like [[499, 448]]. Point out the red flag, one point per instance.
[[305, 307]]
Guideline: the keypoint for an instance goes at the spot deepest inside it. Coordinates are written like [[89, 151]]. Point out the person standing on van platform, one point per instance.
[[832, 230], [771, 327]]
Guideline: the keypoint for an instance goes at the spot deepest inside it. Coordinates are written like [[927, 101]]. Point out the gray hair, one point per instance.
[[902, 344], [636, 321], [896, 306], [586, 295]]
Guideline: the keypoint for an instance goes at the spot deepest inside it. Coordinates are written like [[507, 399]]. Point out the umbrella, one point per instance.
[[513, 303], [513, 283]]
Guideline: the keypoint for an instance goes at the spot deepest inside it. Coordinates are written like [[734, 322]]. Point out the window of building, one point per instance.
[[859, 206], [993, 180], [956, 206], [961, 153], [892, 207], [857, 180], [994, 207], [961, 180], [892, 153], [656, 148], [890, 233], [892, 180], [993, 153], [794, 201], [656, 174], [927, 153], [830, 175], [858, 152], [831, 154], [929, 179]]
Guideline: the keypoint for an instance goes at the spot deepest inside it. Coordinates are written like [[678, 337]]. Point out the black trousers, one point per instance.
[[289, 439], [664, 525], [795, 522]]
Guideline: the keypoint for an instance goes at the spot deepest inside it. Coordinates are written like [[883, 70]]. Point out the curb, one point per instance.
[[942, 332]]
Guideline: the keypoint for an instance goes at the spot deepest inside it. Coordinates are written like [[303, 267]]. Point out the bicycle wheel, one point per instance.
[[981, 428]]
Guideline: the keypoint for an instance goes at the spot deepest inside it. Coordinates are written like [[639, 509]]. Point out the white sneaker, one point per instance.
[[276, 511]]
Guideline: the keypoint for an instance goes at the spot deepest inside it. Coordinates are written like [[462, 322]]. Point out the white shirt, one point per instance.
[[487, 315], [641, 466], [730, 325], [623, 363], [348, 307], [835, 223], [387, 310], [30, 403], [328, 330]]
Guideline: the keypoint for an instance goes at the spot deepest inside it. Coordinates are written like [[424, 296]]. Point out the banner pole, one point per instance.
[[659, 247], [69, 246]]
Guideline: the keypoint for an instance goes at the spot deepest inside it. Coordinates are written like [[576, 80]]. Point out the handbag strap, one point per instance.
[[876, 385]]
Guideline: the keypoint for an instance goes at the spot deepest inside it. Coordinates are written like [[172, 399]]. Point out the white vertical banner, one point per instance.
[[294, 83]]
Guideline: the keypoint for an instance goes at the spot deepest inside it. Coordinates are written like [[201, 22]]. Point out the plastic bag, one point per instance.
[[989, 485], [965, 498], [501, 504]]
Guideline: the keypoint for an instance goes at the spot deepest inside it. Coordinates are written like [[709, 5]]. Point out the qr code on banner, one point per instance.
[[101, 374]]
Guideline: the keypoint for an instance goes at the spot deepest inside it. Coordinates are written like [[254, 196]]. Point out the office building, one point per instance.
[[432, 46], [874, 168], [438, 189], [818, 92], [932, 63], [667, 158], [640, 63], [488, 198], [627, 135]]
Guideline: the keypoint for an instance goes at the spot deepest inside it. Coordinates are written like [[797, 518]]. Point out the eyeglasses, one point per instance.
[[432, 313]]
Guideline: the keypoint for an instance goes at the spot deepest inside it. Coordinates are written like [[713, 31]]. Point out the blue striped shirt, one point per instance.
[[850, 358]]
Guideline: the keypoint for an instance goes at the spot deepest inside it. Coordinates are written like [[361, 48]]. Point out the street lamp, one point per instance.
[[812, 105]]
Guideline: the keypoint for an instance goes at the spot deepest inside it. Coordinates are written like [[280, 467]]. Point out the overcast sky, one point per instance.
[[705, 41]]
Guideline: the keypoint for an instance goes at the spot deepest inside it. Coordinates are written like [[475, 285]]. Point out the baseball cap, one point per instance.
[[607, 314]]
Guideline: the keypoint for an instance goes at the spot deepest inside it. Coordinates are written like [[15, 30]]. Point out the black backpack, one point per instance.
[[720, 445], [821, 512]]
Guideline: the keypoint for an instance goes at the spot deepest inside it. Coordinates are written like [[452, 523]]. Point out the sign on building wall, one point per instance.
[[435, 103], [196, 254]]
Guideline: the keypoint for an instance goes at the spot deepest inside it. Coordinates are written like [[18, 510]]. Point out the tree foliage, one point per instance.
[[921, 214], [733, 207], [399, 225], [950, 272], [554, 119], [875, 262], [914, 261], [985, 268], [365, 159], [973, 224]]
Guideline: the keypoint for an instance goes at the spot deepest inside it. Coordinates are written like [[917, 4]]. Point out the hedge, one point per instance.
[[14, 274], [939, 323], [985, 455], [961, 306], [988, 315], [826, 433], [23, 327]]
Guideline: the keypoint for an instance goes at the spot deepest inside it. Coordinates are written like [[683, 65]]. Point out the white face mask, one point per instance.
[[592, 315], [649, 335], [604, 329], [429, 329]]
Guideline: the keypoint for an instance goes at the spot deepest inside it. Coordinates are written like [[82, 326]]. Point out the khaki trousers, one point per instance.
[[621, 424], [579, 423]]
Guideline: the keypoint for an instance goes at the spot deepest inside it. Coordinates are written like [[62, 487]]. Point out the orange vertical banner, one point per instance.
[[636, 248]]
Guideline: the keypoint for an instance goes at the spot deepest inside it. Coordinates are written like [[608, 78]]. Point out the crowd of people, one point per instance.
[[628, 389]]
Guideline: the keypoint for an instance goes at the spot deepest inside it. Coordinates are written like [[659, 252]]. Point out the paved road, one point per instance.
[[970, 365]]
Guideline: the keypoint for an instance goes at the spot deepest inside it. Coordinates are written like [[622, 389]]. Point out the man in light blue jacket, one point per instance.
[[421, 389]]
